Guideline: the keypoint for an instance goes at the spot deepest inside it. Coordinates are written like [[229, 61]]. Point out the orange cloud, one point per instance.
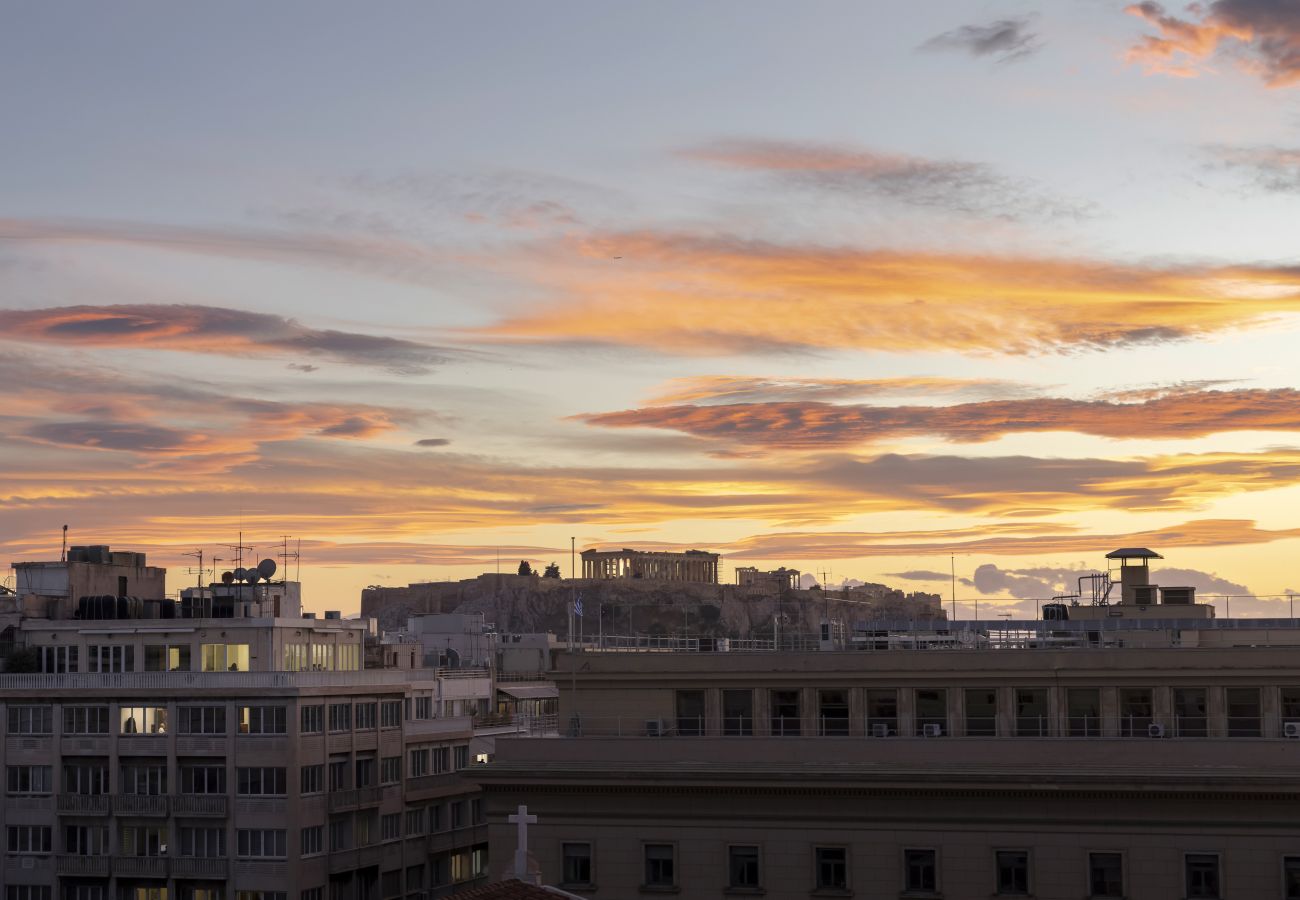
[[754, 389], [851, 545], [212, 329], [1265, 35], [679, 294], [819, 425]]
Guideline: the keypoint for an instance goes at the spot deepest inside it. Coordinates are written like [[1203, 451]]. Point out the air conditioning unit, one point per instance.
[[655, 728], [1291, 729], [1155, 730], [880, 730], [932, 729], [29, 863]]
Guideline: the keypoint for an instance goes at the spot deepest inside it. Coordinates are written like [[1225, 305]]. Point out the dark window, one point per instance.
[[577, 864], [981, 712], [742, 867], [659, 865], [932, 710], [738, 712], [1202, 876], [833, 712], [1083, 712], [690, 712], [1243, 712], [1190, 718], [1135, 712], [785, 713], [832, 867], [1291, 877], [882, 712], [1013, 871], [1105, 875], [919, 870], [1031, 713]]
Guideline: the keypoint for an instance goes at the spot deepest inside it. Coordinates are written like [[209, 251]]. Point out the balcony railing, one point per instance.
[[140, 866], [140, 805], [358, 858], [83, 866], [199, 805], [97, 682], [83, 804], [354, 798], [200, 867]]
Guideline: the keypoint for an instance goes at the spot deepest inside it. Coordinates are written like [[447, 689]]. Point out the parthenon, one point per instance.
[[693, 565]]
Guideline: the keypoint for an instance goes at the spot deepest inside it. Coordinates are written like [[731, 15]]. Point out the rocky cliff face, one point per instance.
[[530, 604]]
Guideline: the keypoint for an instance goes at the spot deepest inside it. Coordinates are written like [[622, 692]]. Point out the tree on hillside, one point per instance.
[[552, 571], [524, 568]]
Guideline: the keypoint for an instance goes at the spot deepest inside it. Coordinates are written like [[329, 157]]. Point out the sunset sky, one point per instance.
[[861, 288]]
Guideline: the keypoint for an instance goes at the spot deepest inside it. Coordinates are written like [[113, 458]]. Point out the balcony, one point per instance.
[[140, 805], [200, 867], [199, 805], [360, 858], [83, 804], [82, 866], [339, 801], [140, 866], [430, 786]]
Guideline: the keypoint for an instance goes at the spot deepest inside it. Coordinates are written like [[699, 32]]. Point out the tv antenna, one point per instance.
[[239, 549], [286, 554], [199, 555]]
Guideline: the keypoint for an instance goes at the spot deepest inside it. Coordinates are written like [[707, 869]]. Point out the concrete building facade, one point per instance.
[[248, 757], [1163, 773]]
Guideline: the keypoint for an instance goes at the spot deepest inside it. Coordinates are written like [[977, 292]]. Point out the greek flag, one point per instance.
[[577, 605]]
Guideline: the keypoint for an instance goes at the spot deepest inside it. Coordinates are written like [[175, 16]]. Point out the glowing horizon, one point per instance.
[[428, 286]]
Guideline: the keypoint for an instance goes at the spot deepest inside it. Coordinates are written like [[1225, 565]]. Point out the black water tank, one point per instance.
[[1055, 612]]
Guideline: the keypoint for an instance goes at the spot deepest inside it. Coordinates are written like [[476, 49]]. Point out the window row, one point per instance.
[[146, 841], [1105, 874], [1020, 712], [202, 776], [33, 719]]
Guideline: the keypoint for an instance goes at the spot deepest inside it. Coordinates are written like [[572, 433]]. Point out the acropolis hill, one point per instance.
[[529, 603]]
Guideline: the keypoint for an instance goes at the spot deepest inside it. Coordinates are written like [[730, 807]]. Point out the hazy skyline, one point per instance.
[[845, 287]]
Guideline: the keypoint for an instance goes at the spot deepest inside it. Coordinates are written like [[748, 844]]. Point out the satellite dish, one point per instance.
[[266, 568], [251, 574], [241, 574], [227, 577]]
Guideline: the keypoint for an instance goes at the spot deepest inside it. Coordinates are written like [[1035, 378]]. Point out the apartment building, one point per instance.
[[1094, 770], [219, 751]]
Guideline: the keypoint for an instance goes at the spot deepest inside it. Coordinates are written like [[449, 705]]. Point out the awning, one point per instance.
[[529, 691]]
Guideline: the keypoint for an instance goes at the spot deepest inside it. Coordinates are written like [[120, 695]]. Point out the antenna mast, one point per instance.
[[199, 555], [286, 554]]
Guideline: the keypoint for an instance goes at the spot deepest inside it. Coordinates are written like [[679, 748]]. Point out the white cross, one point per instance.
[[523, 820]]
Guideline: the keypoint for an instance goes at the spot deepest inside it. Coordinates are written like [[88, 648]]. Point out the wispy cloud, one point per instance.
[[1005, 40], [680, 293], [819, 425], [851, 545], [368, 251], [759, 389], [954, 185], [218, 330], [1261, 36], [1273, 169]]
